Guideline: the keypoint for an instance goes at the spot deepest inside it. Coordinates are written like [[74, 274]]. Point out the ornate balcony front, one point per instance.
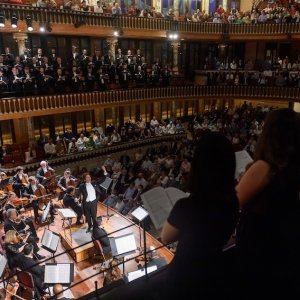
[[14, 108], [98, 24]]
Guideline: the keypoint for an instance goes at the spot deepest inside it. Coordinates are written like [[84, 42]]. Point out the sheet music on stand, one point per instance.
[[140, 213], [139, 273], [46, 212], [106, 183], [50, 240], [3, 263], [66, 213], [123, 245], [59, 273]]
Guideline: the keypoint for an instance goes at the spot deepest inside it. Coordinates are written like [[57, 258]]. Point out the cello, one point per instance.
[[42, 196]]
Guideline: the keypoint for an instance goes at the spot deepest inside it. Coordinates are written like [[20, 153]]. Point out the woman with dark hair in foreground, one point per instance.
[[203, 223], [268, 235]]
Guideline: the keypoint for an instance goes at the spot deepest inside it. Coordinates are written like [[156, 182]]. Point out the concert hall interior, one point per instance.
[[149, 149]]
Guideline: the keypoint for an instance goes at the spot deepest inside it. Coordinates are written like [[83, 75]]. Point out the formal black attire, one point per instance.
[[40, 174], [69, 201], [17, 185], [28, 264], [12, 254], [28, 192], [3, 84], [90, 207], [204, 229], [101, 235]]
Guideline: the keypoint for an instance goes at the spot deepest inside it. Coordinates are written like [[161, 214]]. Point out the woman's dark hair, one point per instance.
[[213, 168], [279, 144]]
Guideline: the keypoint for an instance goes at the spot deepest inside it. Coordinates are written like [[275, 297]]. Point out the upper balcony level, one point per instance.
[[93, 24], [21, 107]]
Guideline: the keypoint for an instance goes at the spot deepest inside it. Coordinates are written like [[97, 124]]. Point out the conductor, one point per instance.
[[90, 194]]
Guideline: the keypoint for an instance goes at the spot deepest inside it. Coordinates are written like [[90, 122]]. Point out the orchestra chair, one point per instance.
[[26, 281], [99, 250]]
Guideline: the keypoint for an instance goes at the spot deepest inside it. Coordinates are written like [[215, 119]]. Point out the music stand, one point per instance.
[[59, 273], [122, 246], [140, 214], [50, 241], [105, 185], [67, 214], [45, 214]]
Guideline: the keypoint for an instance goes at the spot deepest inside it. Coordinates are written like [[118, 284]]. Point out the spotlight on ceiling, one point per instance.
[[29, 23], [2, 20], [14, 21]]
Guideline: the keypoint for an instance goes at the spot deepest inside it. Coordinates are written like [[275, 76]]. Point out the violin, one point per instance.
[[19, 201]]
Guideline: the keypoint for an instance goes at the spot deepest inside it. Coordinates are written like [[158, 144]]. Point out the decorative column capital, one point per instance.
[[112, 41], [20, 36]]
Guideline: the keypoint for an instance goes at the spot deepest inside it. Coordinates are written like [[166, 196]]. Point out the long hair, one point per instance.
[[213, 168], [279, 145], [10, 237], [113, 273]]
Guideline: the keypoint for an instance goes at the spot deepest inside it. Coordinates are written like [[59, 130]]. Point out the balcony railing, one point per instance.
[[60, 16], [33, 106]]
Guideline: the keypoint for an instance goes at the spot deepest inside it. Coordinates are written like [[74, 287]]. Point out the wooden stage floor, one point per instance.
[[84, 269]]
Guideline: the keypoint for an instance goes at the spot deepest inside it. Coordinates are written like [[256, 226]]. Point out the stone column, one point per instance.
[[21, 39], [173, 109], [156, 110], [114, 116], [175, 9], [175, 46], [112, 42]]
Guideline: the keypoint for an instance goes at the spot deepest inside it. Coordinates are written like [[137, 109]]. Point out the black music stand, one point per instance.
[[140, 214], [122, 246], [105, 186], [50, 241]]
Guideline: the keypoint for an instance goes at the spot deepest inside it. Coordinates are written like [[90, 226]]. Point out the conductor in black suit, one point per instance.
[[90, 194], [69, 201]]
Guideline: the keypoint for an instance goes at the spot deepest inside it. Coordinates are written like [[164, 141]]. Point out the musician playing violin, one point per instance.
[[21, 219], [12, 223], [43, 171], [20, 180]]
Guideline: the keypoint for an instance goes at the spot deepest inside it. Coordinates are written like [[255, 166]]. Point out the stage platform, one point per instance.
[[76, 236]]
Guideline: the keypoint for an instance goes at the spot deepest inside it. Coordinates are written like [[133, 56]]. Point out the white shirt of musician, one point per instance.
[[34, 187], [45, 170], [91, 193]]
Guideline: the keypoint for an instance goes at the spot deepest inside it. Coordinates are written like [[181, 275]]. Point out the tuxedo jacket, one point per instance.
[[40, 174], [83, 191]]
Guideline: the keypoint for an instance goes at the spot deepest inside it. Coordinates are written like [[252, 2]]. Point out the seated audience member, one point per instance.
[[268, 235], [113, 273], [58, 291], [111, 199], [50, 149], [101, 235], [203, 223]]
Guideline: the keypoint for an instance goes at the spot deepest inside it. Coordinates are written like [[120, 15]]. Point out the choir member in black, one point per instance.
[[70, 201], [20, 209], [144, 65], [101, 235], [60, 82], [112, 73], [26, 57], [12, 222], [28, 82], [155, 74], [90, 80], [35, 67], [97, 59], [18, 65], [9, 58], [75, 55], [139, 77], [74, 80], [102, 80], [128, 58], [20, 179], [124, 77], [53, 57], [119, 57], [28, 263], [166, 76], [84, 59], [59, 64], [133, 67], [139, 57], [16, 81], [48, 68], [40, 56], [44, 82], [44, 168], [90, 194], [3, 82]]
